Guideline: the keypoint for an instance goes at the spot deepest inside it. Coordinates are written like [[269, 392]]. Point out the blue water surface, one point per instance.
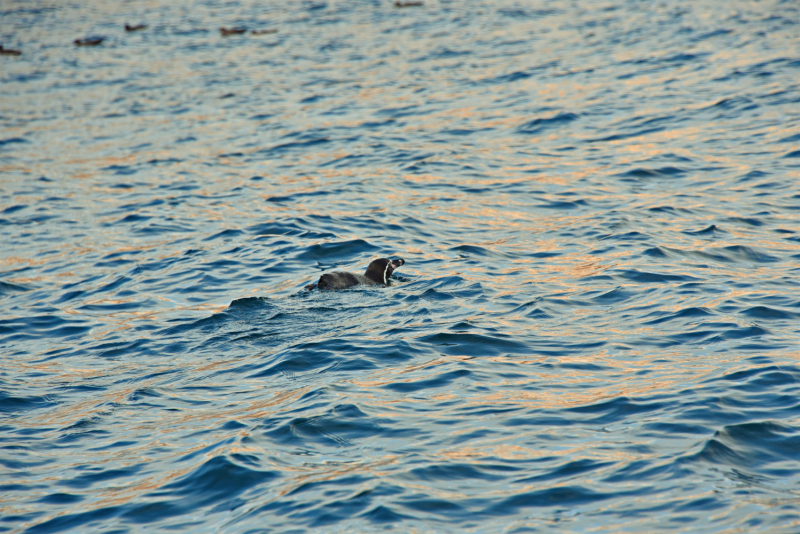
[[596, 328]]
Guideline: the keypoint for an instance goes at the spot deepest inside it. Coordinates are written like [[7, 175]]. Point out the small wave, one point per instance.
[[686, 313], [439, 381], [225, 234], [12, 141], [707, 231], [217, 482], [767, 447], [453, 471], [626, 135], [7, 288], [342, 249], [765, 312], [277, 150], [42, 326], [341, 426], [90, 479], [568, 470], [13, 403], [548, 123], [663, 172], [644, 277], [728, 255], [562, 497], [619, 409], [473, 344], [762, 378]]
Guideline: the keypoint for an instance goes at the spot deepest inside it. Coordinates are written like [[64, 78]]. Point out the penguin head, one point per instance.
[[381, 269]]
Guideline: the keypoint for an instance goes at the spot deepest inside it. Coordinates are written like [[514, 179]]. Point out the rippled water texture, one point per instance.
[[596, 328]]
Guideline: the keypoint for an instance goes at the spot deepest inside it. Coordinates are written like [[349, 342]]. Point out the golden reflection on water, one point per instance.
[[80, 147], [661, 377]]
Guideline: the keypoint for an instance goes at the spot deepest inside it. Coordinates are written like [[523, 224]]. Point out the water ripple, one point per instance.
[[595, 326]]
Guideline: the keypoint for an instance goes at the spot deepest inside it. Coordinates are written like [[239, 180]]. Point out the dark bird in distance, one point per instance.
[[407, 4], [129, 28], [89, 41], [232, 31], [9, 52], [377, 274], [264, 32]]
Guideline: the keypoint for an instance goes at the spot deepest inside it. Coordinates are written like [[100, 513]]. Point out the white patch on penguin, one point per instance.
[[386, 270]]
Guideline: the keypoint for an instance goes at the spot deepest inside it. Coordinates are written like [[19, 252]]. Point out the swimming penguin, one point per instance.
[[232, 31], [9, 52], [89, 41], [377, 274], [136, 28]]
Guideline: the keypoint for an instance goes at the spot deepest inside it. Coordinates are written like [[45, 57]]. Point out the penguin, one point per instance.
[[136, 28], [9, 52], [89, 41], [377, 274], [263, 32], [232, 31]]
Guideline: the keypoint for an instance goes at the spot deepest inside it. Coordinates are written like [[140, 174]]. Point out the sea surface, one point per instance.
[[597, 328]]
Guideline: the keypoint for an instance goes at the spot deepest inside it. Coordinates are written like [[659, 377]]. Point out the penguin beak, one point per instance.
[[397, 263]]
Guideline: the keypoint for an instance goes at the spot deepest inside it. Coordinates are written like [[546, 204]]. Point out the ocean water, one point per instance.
[[596, 328]]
